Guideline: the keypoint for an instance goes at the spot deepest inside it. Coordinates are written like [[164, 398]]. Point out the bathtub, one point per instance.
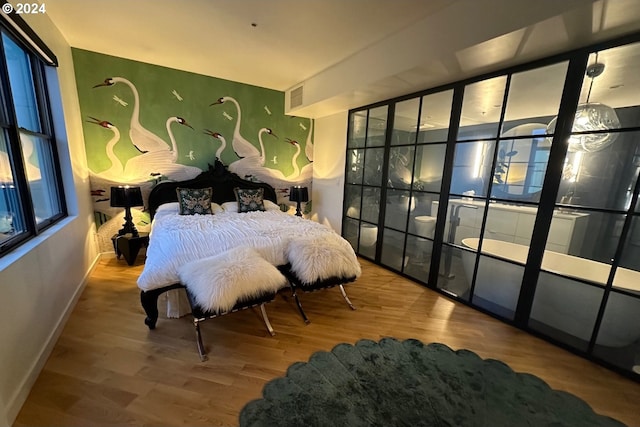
[[561, 303]]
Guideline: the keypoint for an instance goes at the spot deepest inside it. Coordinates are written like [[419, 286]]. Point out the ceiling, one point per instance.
[[291, 41], [350, 52]]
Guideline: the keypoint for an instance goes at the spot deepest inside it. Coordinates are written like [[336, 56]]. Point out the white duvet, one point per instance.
[[314, 251]]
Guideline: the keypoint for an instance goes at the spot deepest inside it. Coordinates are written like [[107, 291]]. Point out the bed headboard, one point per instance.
[[218, 177]]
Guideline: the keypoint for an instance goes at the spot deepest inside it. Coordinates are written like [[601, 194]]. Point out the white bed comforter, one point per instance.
[[314, 251]]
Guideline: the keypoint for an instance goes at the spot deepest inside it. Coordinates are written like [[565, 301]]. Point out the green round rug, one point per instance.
[[408, 383]]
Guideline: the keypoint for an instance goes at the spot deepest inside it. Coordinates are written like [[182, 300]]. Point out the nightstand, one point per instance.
[[128, 245]]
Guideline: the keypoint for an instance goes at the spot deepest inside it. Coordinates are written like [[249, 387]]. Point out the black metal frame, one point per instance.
[[9, 124], [577, 60]]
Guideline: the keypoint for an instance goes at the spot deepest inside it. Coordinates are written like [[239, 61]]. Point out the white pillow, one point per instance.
[[270, 206], [230, 206], [174, 207], [233, 206]]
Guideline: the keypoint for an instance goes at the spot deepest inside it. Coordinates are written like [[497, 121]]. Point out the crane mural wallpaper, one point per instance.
[[144, 124]]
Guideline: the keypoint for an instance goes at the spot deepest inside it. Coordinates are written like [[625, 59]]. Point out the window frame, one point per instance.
[[12, 132]]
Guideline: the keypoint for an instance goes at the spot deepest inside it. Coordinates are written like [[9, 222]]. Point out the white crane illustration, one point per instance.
[[308, 147], [219, 137], [299, 177], [241, 146], [115, 171], [294, 159], [154, 163], [144, 140], [252, 165]]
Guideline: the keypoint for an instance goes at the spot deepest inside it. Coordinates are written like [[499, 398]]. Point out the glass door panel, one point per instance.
[[472, 168], [405, 122], [427, 175], [618, 340], [419, 250], [565, 309], [520, 165], [582, 245], [423, 217], [527, 87], [352, 201], [456, 271], [355, 166], [393, 249], [357, 129], [400, 171], [370, 204], [603, 179], [399, 204], [377, 126], [509, 223], [368, 240], [435, 117], [481, 109], [374, 158], [464, 221], [350, 232], [628, 273], [497, 285]]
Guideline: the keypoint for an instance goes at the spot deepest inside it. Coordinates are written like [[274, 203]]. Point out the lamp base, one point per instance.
[[128, 227], [298, 210]]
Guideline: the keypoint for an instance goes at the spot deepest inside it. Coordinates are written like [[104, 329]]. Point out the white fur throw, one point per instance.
[[320, 257], [219, 282]]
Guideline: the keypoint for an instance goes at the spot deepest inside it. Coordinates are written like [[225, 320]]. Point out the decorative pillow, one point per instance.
[[195, 200], [250, 200]]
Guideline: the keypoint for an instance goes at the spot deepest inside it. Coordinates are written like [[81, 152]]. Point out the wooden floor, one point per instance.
[[108, 368]]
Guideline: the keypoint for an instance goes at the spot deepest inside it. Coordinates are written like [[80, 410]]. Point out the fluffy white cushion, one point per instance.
[[314, 258], [219, 282]]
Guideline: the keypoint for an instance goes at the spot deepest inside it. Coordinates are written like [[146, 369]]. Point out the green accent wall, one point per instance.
[[261, 107], [164, 93]]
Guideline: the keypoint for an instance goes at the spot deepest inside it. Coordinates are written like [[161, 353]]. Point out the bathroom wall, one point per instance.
[[144, 123]]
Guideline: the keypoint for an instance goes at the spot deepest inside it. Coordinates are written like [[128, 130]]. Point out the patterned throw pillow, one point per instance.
[[195, 200], [250, 200]]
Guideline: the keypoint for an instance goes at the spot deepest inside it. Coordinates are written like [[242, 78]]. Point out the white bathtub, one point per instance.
[[563, 304]]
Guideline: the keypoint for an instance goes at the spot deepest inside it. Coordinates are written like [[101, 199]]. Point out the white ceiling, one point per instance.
[[292, 39], [349, 52]]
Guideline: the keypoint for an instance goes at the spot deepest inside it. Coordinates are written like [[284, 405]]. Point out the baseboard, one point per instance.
[[15, 402]]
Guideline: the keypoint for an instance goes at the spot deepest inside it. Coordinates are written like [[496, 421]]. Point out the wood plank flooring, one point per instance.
[[108, 368]]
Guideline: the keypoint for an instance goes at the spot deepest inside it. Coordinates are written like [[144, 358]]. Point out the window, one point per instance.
[[31, 195]]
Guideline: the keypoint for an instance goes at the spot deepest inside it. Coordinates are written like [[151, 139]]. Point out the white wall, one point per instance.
[[41, 280], [329, 152]]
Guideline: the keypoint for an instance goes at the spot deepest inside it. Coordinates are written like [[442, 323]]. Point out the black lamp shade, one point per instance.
[[126, 196], [299, 194]]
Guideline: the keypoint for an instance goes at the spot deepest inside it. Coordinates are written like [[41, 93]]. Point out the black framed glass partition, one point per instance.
[[516, 193]]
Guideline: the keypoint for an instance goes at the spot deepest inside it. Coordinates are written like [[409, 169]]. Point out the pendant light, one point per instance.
[[591, 116]]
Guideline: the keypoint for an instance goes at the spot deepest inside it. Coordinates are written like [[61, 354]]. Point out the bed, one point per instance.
[[308, 255]]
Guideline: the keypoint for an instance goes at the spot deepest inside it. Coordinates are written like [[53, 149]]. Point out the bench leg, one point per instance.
[[346, 298], [266, 320], [201, 350], [295, 297]]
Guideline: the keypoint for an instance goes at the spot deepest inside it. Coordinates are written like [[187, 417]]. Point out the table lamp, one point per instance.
[[298, 194], [125, 197]]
